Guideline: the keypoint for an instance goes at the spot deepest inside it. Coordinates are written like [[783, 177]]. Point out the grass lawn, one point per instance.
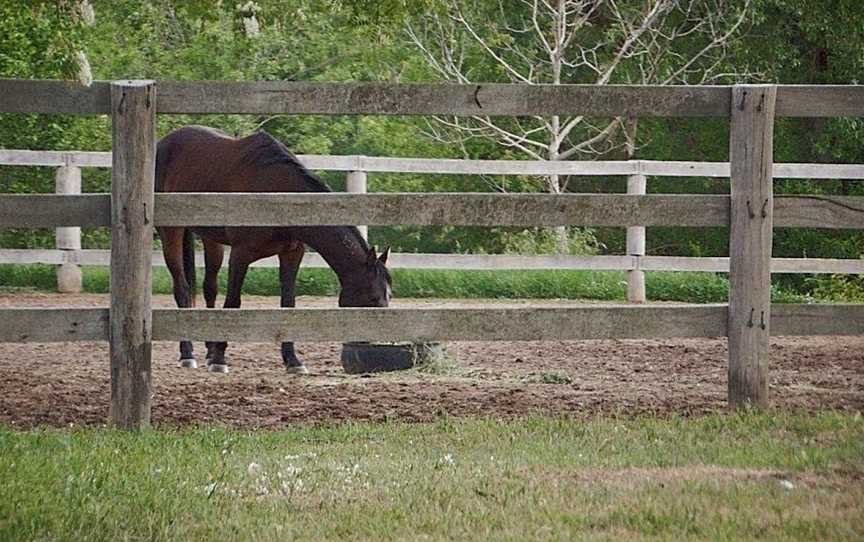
[[418, 283], [736, 476]]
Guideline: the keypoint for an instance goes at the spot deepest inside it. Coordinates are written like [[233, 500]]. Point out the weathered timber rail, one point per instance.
[[131, 324], [430, 324], [458, 208]]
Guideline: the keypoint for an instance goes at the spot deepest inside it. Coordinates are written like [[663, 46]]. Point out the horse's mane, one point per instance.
[[265, 150]]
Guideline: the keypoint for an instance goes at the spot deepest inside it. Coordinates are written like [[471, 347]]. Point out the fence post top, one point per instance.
[[756, 86], [133, 83]]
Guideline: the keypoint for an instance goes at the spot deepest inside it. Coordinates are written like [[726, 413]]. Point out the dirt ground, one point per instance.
[[59, 384]]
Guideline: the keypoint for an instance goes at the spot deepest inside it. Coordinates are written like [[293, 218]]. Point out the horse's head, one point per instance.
[[371, 287]]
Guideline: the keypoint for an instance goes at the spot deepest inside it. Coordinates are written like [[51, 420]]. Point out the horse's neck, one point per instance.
[[342, 247]]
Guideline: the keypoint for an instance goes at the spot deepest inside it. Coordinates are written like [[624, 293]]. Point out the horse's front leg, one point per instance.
[[238, 264], [214, 253], [289, 263]]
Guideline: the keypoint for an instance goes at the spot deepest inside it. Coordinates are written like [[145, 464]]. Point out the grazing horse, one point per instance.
[[200, 159]]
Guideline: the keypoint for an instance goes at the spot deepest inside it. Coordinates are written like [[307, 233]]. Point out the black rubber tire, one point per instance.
[[358, 358]]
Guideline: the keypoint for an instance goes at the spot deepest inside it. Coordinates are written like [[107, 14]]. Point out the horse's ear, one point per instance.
[[384, 255], [371, 257]]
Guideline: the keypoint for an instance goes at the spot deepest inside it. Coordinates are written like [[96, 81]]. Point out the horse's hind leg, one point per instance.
[[289, 263], [172, 250], [238, 264], [213, 255]]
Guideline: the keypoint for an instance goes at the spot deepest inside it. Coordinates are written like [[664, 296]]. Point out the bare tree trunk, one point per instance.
[[630, 126], [554, 186], [556, 57]]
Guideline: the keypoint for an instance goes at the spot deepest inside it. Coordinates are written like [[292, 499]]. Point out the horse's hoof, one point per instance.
[[296, 370], [218, 368], [188, 363]]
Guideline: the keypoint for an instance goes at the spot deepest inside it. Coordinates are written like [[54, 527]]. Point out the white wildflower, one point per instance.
[[292, 486], [786, 484], [262, 490], [251, 26], [291, 470], [253, 468]]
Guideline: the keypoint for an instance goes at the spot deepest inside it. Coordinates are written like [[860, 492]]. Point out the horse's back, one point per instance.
[[202, 159], [195, 159]]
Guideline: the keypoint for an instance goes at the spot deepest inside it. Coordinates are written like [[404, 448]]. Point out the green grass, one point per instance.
[[412, 283], [741, 476]]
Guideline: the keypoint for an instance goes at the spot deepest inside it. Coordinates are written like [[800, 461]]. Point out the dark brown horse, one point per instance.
[[200, 159]]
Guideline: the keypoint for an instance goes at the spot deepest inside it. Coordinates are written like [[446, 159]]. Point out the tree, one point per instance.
[[572, 41]]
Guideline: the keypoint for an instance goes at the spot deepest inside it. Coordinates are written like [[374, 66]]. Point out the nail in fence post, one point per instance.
[[133, 106]]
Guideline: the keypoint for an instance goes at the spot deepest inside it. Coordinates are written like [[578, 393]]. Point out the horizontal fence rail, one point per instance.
[[273, 97], [428, 324], [461, 208], [53, 210], [380, 164], [471, 262]]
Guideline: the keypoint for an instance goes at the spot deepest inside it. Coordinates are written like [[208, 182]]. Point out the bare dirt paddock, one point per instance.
[[68, 383]]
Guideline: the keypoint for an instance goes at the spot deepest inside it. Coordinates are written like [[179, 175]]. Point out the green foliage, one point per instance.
[[38, 39], [27, 277], [580, 242], [838, 288], [694, 287], [508, 284]]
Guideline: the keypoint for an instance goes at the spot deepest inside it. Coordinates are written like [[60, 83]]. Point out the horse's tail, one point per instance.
[[189, 262]]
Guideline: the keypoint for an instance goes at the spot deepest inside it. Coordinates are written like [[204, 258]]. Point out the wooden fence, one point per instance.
[[68, 255], [130, 324]]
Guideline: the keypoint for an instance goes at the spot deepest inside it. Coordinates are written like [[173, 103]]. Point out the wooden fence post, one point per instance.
[[636, 184], [751, 161], [133, 106], [355, 183], [68, 181]]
